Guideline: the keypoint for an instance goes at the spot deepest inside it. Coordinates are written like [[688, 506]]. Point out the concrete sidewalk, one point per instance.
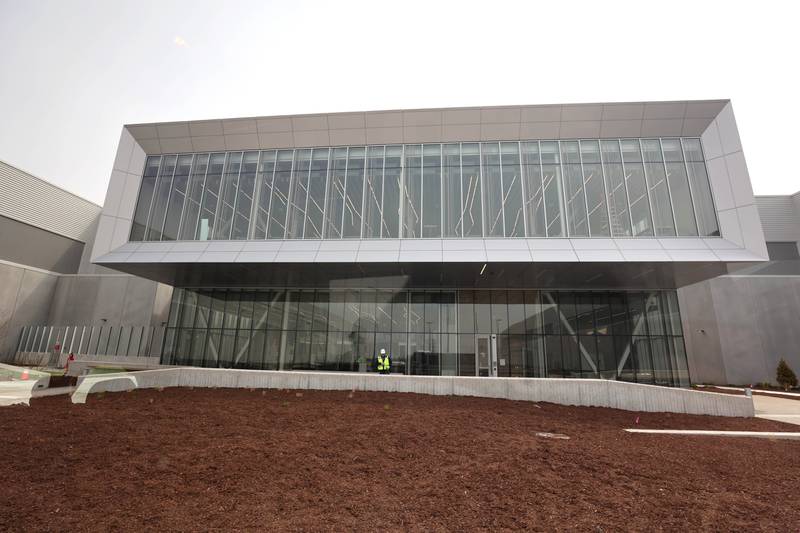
[[778, 409]]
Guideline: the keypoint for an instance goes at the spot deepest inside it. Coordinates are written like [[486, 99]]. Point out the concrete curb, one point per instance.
[[791, 435], [581, 392]]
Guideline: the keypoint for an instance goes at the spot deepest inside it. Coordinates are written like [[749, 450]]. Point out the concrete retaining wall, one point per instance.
[[584, 392]]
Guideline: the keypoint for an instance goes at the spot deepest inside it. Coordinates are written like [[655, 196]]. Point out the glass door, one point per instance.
[[486, 355]]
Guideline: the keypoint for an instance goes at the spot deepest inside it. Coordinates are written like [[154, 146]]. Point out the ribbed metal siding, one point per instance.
[[31, 200], [779, 218]]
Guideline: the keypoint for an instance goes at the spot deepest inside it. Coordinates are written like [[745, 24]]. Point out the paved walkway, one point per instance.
[[778, 409]]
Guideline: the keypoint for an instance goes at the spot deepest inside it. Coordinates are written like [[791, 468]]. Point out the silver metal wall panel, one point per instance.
[[780, 218], [32, 200]]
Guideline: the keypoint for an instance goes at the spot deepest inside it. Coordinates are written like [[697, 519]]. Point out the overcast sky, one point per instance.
[[73, 72]]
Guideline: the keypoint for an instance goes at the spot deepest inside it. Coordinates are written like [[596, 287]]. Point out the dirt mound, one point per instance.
[[189, 459]]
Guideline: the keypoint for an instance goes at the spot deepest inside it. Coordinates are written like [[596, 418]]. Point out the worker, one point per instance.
[[384, 362]]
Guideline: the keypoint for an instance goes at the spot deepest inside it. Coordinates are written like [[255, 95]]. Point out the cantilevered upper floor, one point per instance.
[[657, 183]]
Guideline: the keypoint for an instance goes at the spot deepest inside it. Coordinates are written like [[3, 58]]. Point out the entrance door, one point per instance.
[[486, 355]]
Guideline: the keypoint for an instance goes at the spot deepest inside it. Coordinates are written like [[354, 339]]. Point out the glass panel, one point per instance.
[[391, 192], [139, 226], [336, 194], [516, 312], [657, 183], [679, 188], [244, 197], [595, 189], [472, 200], [534, 191], [279, 204], [412, 192], [299, 194], [177, 197], [499, 312], [163, 187], [553, 188], [317, 183], [373, 193], [383, 311], [451, 184], [264, 179], [693, 150], [642, 223], [534, 311], [701, 188], [615, 185], [512, 190], [205, 225], [535, 364], [432, 190], [195, 194], [230, 186], [351, 226], [573, 184], [493, 189]]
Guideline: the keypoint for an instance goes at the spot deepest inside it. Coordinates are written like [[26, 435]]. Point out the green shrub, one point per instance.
[[785, 376]]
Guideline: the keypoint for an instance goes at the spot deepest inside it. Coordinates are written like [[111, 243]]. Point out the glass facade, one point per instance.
[[631, 336], [572, 188]]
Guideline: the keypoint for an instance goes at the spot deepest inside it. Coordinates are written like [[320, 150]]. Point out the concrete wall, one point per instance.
[[117, 298], [25, 296], [584, 392], [36, 247], [31, 296], [738, 327]]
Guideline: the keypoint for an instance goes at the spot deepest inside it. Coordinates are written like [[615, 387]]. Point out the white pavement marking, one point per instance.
[[710, 433]]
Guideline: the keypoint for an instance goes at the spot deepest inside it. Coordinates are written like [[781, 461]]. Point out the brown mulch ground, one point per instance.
[[200, 459]]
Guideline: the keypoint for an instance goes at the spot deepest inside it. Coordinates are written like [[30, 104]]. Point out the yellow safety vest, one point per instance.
[[383, 363]]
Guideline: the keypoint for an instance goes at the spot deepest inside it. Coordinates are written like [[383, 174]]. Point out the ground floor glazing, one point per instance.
[[631, 336]]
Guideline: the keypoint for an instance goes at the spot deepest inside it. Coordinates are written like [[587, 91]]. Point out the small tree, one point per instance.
[[785, 376]]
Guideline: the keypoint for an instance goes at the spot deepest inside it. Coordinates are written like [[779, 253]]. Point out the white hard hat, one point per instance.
[[383, 352]]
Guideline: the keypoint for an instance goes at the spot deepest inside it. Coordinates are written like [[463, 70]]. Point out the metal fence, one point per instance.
[[121, 341]]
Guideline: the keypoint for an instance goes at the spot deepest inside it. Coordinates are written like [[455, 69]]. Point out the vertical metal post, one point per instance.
[[46, 346], [22, 337]]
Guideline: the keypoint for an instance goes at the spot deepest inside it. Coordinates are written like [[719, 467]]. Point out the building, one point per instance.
[[738, 326], [46, 277], [538, 241]]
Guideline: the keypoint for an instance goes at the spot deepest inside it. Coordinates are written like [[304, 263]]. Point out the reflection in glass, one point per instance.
[[584, 188], [655, 174]]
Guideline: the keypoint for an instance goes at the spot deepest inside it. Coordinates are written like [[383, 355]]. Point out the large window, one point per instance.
[[655, 187], [631, 336]]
